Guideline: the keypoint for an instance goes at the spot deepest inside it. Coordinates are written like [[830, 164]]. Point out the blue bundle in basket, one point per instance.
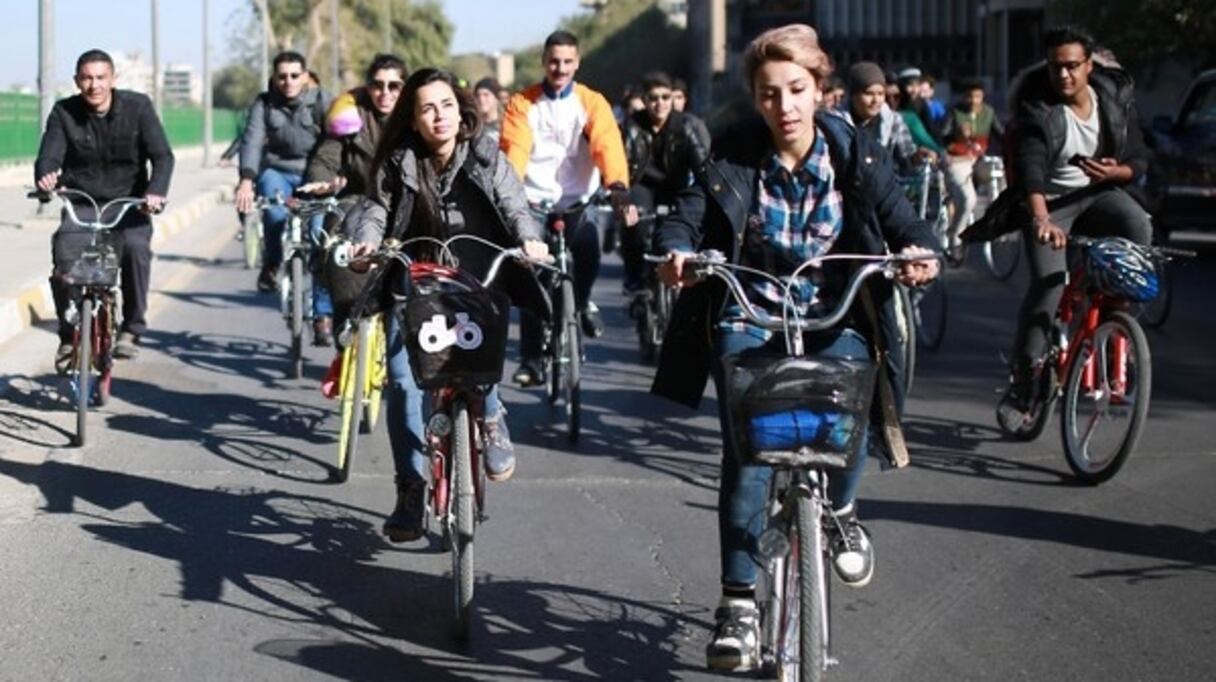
[[793, 429]]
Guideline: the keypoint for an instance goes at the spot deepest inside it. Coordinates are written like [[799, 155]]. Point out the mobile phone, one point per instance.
[[1077, 159]]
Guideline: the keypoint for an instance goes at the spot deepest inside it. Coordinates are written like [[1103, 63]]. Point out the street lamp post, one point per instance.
[[207, 114], [46, 60], [156, 89], [336, 85]]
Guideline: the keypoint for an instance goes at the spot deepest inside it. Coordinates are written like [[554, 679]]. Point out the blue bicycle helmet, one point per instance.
[[1122, 268]]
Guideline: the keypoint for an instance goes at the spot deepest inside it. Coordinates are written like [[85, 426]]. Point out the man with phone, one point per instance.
[[1078, 146]]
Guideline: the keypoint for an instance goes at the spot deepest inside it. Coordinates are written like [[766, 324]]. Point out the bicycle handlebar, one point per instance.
[[65, 195], [392, 249], [714, 263]]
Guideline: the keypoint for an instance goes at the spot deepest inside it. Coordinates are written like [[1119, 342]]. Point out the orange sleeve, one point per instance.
[[604, 138], [516, 137]]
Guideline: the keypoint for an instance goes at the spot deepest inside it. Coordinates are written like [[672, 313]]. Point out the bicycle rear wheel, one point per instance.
[[812, 593], [348, 427], [463, 519], [251, 236], [572, 361], [931, 307], [84, 369], [297, 317], [1002, 255], [1109, 385]]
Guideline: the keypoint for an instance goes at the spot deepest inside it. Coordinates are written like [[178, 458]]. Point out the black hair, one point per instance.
[[94, 55], [656, 79], [968, 84], [384, 61], [679, 84], [399, 132], [560, 38], [315, 77], [832, 82], [1067, 35], [289, 57], [488, 83]]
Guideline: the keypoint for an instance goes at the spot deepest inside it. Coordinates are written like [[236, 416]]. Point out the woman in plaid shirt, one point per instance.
[[777, 193]]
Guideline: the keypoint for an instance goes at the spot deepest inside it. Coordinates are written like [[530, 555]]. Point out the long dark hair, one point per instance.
[[399, 133]]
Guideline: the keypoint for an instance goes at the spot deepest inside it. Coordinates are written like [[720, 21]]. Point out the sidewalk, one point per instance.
[[25, 295]]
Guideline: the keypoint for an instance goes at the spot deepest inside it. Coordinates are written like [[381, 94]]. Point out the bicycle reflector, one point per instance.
[[1122, 268]]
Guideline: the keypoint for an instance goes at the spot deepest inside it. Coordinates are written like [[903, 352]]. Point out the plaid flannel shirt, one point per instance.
[[794, 217]]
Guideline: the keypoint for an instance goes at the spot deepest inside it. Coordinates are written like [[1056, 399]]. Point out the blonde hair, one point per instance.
[[797, 43]]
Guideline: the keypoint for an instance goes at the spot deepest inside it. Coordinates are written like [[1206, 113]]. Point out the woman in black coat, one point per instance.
[[775, 195]]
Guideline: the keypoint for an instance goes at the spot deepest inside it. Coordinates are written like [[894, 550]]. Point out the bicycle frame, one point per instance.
[[1072, 306]]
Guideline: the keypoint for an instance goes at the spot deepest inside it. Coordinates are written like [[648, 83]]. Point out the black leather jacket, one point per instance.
[[662, 161]]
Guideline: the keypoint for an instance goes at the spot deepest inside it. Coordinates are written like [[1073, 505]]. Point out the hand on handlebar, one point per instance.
[[918, 272], [625, 211], [360, 260], [671, 272], [243, 198], [49, 182], [1049, 233], [537, 250], [322, 188], [153, 203]]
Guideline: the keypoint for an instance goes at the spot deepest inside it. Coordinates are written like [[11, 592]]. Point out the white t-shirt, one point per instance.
[[1081, 137]]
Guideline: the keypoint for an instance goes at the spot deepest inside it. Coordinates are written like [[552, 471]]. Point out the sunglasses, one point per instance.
[[289, 76], [390, 86], [659, 98]]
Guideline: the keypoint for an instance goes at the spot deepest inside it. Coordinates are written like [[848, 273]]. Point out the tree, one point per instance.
[[1145, 33], [234, 87]]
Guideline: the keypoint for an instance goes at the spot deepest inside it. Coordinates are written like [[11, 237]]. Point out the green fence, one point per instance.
[[20, 131]]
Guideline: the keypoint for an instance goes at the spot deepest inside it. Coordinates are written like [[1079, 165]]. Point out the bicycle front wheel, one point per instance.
[[905, 312], [812, 593], [463, 518], [1002, 254], [1106, 399], [931, 307], [251, 237], [84, 369], [572, 362], [297, 317], [348, 427], [377, 376]]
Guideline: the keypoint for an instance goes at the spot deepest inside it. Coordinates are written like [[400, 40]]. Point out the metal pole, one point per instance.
[[156, 89], [387, 18], [264, 14], [46, 60], [207, 114], [336, 85]]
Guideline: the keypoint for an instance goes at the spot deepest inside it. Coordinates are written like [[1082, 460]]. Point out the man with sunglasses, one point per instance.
[[664, 148], [281, 128], [1078, 146]]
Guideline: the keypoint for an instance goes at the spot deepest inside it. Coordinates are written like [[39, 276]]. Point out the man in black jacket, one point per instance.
[[1078, 145], [100, 142]]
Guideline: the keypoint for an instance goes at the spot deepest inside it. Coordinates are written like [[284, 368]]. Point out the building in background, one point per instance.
[[180, 86], [132, 71]]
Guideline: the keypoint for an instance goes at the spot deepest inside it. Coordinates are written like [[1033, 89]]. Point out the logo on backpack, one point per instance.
[[436, 337]]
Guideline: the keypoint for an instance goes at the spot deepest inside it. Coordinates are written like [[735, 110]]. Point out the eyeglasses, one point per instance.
[[666, 97], [1071, 67], [295, 75], [390, 86]]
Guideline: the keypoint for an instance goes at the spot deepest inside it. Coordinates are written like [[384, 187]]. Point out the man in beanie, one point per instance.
[[867, 110]]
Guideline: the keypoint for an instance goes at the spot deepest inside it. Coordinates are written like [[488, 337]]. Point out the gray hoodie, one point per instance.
[[280, 134]]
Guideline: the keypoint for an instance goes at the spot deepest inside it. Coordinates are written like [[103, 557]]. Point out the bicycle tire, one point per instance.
[[573, 355], [84, 370], [557, 350], [104, 325], [812, 593], [907, 320], [377, 375], [1002, 256], [1076, 453], [931, 306], [347, 410], [297, 317], [359, 386], [463, 518], [251, 236], [1156, 312]]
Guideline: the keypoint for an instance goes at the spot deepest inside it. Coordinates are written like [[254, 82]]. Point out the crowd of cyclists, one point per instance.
[[419, 153]]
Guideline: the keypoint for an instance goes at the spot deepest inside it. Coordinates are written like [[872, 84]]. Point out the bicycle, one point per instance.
[[298, 245], [562, 352], [455, 328], [651, 307], [94, 278], [1098, 361], [361, 383], [1001, 255], [773, 399], [923, 311]]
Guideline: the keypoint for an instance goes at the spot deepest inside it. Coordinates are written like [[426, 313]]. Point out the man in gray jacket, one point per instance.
[[282, 127]]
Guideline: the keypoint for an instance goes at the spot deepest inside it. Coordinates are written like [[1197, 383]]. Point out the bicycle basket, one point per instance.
[[1122, 268], [456, 336], [97, 265], [799, 411]]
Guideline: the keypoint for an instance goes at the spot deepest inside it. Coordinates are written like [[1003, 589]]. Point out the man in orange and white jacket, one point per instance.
[[563, 141]]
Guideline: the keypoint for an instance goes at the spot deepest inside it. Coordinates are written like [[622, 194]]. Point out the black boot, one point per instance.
[[405, 523]]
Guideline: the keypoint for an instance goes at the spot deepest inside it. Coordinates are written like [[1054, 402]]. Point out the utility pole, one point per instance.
[[336, 85], [387, 17], [207, 114], [264, 15], [156, 89], [46, 60]]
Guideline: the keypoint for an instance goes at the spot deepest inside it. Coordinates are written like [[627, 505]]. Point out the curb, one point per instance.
[[32, 302]]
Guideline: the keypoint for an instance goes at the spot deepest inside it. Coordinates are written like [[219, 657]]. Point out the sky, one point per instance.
[[125, 25]]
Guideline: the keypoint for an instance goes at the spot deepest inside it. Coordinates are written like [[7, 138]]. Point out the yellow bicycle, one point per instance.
[[360, 387]]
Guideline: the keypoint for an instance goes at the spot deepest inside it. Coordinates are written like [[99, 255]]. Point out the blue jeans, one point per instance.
[[274, 218], [405, 423], [322, 301], [744, 487]]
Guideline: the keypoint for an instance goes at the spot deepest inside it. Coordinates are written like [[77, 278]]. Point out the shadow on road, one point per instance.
[[306, 561], [954, 447], [231, 355]]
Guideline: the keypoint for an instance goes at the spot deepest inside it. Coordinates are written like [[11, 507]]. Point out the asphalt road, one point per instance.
[[197, 536]]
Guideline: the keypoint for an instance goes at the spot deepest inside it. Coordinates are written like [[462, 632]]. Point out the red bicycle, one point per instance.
[[1099, 360]]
